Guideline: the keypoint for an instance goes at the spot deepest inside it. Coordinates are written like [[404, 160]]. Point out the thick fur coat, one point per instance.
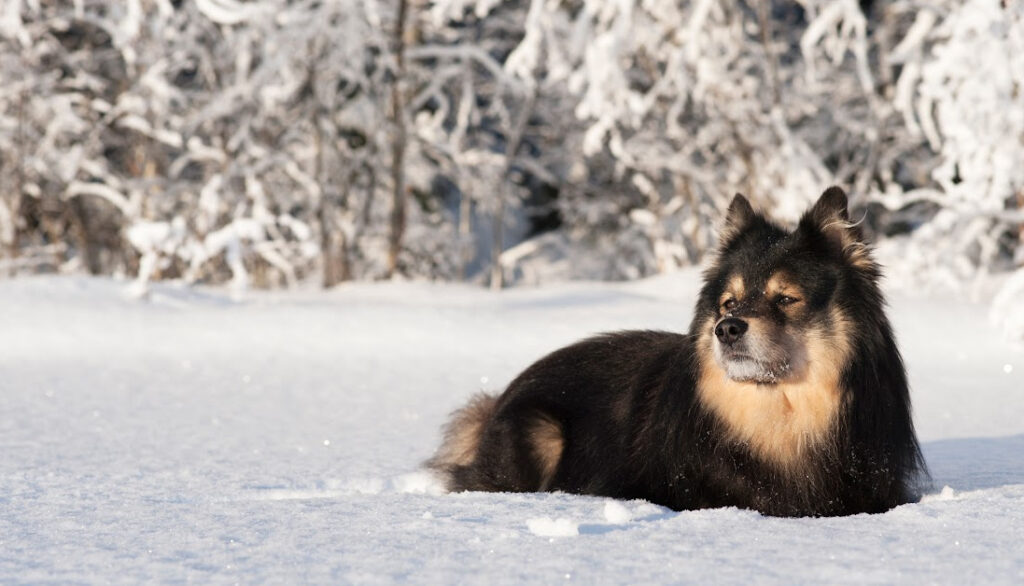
[[787, 395]]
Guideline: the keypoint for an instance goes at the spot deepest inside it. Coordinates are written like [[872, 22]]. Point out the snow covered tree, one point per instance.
[[273, 141]]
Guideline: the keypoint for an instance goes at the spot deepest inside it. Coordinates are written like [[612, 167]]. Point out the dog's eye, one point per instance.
[[729, 304], [784, 300]]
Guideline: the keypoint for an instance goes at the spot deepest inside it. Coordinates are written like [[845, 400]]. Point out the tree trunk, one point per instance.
[[13, 250], [398, 144], [465, 225], [504, 190], [498, 234]]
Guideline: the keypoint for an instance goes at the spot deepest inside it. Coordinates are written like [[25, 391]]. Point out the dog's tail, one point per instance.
[[462, 436]]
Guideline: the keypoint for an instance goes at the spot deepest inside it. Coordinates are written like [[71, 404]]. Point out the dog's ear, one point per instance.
[[830, 218], [739, 216], [831, 206]]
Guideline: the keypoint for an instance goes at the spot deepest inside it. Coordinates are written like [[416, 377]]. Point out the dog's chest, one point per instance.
[[782, 423]]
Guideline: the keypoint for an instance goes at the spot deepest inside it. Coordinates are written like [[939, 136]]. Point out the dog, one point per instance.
[[788, 395]]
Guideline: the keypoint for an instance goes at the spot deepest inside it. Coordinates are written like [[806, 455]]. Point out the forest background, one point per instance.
[[276, 143]]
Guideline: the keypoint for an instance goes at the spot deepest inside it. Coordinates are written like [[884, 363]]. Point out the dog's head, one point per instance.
[[776, 301]]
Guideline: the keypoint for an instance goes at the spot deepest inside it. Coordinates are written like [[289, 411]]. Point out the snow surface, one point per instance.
[[194, 438]]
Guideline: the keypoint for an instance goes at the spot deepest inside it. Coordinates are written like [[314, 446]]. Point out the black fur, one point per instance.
[[633, 423]]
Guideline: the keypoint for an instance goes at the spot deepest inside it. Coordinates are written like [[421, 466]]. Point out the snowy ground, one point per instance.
[[191, 438]]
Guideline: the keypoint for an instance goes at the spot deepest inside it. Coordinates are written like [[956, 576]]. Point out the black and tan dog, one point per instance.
[[787, 396]]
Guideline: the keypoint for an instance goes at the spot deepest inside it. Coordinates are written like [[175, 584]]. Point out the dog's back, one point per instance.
[[572, 421]]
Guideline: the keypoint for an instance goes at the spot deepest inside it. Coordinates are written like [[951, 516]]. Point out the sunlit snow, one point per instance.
[[190, 437]]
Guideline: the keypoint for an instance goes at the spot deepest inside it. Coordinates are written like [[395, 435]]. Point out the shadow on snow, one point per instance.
[[976, 463]]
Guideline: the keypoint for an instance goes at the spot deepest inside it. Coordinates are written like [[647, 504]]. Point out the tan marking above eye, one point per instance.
[[734, 291], [736, 286], [779, 286]]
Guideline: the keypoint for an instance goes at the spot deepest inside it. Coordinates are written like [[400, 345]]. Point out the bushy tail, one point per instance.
[[462, 436]]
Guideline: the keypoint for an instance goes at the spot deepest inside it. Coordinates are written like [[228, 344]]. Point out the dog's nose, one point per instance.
[[730, 329]]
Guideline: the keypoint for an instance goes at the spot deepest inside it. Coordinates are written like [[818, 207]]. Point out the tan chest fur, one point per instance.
[[781, 423]]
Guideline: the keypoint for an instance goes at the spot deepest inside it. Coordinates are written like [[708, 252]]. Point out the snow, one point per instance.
[[617, 514], [548, 527], [192, 437]]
